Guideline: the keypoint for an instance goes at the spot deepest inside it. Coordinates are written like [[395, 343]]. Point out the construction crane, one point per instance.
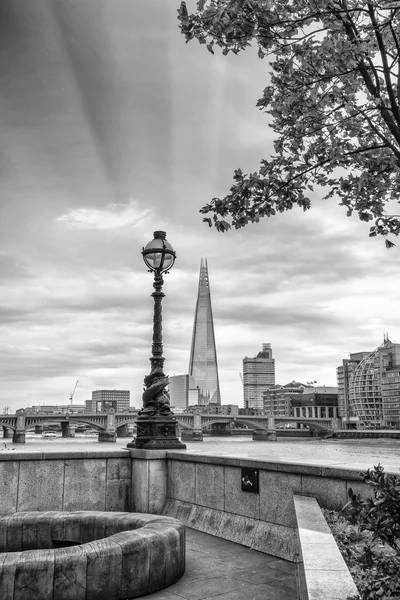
[[71, 396], [241, 377]]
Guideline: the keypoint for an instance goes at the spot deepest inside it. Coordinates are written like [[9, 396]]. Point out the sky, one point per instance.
[[112, 127]]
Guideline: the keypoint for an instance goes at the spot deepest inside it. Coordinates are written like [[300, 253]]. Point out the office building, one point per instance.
[[220, 409], [258, 376], [344, 374], [369, 388], [321, 402], [391, 398], [296, 399], [203, 365], [117, 399], [182, 391], [277, 399]]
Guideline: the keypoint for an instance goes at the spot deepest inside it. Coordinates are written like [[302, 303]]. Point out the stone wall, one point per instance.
[[205, 493], [65, 481]]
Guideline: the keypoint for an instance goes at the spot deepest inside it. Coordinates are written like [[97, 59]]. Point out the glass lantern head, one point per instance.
[[158, 255]]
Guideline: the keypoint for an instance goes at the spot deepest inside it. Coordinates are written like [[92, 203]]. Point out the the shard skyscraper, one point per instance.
[[203, 355]]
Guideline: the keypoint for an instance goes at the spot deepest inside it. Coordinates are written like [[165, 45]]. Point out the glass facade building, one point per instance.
[[344, 373], [118, 399], [180, 390], [258, 376], [365, 391], [391, 398], [373, 387], [203, 365]]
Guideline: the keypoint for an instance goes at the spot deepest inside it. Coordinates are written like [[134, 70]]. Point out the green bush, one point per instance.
[[375, 563], [380, 514], [377, 576]]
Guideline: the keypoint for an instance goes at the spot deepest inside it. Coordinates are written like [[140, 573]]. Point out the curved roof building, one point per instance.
[[367, 382], [365, 391]]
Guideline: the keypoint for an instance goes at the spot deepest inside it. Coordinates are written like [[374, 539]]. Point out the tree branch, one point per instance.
[[381, 47]]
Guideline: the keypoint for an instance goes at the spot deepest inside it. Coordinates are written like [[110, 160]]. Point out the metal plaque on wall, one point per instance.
[[249, 480]]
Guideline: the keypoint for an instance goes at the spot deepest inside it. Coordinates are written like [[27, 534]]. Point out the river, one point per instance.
[[352, 453]]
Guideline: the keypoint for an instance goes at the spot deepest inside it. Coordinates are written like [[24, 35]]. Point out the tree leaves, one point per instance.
[[381, 513], [333, 98]]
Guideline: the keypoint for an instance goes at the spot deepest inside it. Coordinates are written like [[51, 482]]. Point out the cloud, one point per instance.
[[12, 267], [116, 128], [111, 216]]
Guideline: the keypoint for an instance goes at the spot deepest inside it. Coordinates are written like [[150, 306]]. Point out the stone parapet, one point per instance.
[[207, 489], [206, 492], [325, 571], [65, 481]]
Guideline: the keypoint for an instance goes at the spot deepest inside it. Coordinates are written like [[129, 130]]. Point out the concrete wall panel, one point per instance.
[[236, 501], [9, 475], [157, 485], [276, 497], [85, 484], [182, 481], [41, 485], [330, 493], [210, 486], [277, 540], [118, 468], [118, 495]]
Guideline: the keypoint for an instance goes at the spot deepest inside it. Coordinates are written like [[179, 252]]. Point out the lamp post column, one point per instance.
[[156, 425], [157, 359]]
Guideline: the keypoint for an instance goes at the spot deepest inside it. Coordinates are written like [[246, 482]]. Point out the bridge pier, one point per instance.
[[268, 435], [19, 437], [19, 433], [38, 429], [7, 432], [195, 434], [67, 430], [264, 436], [109, 434], [126, 431]]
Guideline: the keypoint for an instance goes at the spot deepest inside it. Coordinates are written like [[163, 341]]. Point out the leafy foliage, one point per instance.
[[378, 577], [381, 513], [374, 567], [333, 97]]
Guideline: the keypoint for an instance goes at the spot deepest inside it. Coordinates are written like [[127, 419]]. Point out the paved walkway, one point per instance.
[[222, 570]]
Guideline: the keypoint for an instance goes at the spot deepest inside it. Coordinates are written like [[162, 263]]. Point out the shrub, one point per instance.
[[374, 569], [380, 514], [368, 535]]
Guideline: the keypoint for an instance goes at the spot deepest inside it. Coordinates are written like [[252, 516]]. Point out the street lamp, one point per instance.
[[156, 424]]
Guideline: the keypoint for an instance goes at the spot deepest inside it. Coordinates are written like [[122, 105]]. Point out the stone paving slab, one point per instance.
[[222, 570]]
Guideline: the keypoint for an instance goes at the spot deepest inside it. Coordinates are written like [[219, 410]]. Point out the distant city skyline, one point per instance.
[[129, 130]]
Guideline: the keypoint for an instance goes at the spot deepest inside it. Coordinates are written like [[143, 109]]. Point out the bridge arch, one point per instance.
[[309, 424], [6, 426], [207, 424], [251, 424], [185, 426]]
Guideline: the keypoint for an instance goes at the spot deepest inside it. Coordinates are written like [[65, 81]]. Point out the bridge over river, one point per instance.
[[192, 425]]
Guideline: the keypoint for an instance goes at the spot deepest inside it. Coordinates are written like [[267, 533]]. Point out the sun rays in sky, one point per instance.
[[113, 128]]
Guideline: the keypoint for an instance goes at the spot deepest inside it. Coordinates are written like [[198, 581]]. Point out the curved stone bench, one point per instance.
[[88, 555]]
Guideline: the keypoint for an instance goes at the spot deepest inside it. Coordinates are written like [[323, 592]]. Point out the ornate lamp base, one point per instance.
[[157, 433]]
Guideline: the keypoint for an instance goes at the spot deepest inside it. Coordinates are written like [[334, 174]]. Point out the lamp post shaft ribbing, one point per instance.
[[157, 359]]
